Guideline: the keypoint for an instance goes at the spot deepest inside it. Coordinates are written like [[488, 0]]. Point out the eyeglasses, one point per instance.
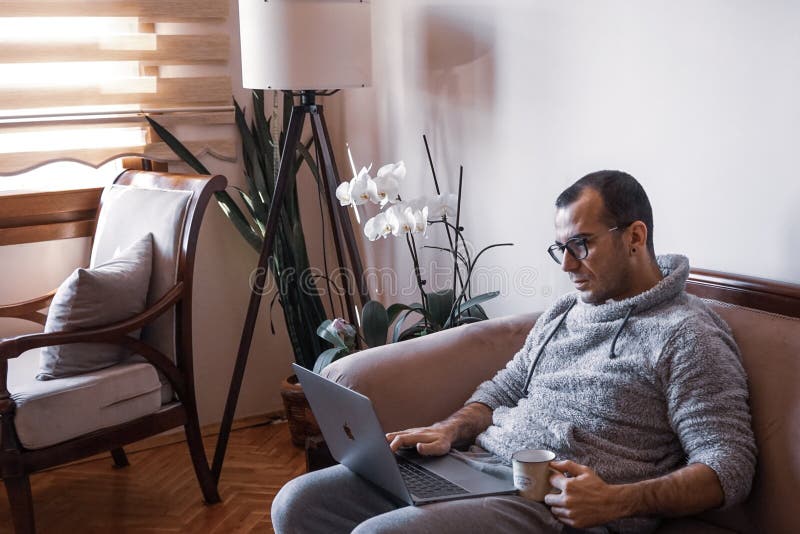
[[576, 246]]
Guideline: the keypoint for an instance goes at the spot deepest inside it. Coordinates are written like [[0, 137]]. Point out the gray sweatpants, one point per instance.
[[335, 500]]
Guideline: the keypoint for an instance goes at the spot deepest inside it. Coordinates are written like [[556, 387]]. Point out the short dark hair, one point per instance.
[[623, 197]]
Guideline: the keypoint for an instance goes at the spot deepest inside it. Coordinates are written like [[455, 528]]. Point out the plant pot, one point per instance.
[[301, 421]]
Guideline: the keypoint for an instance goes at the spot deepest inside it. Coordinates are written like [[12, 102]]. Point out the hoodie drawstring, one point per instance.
[[543, 345], [619, 331], [612, 355]]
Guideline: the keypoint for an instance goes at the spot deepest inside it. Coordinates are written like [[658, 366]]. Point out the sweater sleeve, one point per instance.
[[505, 388], [705, 387]]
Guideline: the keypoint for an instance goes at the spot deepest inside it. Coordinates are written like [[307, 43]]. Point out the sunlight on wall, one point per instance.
[[61, 175], [65, 29], [63, 139]]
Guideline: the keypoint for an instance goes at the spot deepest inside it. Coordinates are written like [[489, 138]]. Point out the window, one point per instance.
[[76, 78]]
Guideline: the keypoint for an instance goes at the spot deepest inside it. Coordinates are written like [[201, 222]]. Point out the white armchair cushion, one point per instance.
[[58, 410], [112, 291], [130, 212]]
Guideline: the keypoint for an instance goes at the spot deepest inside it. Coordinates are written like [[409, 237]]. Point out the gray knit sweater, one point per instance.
[[675, 394]]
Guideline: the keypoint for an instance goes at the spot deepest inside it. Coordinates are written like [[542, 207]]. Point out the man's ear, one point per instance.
[[638, 234]]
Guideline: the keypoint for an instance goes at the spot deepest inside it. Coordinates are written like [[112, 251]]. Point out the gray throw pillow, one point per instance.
[[108, 293]]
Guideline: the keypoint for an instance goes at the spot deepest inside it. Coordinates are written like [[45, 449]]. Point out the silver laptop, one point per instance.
[[355, 438]]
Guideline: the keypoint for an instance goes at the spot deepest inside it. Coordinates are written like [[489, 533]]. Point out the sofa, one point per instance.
[[424, 380]]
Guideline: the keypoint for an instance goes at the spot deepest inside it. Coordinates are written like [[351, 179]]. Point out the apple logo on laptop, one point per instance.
[[348, 432]]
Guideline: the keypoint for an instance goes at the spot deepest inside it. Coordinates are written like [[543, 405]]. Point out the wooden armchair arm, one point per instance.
[[116, 333], [29, 309]]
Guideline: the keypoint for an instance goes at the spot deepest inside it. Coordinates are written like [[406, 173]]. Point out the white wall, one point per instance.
[[695, 99]]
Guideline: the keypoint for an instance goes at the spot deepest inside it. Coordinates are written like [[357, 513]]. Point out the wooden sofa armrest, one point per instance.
[[29, 309], [424, 380]]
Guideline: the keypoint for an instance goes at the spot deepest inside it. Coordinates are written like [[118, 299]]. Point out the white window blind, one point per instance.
[[77, 77]]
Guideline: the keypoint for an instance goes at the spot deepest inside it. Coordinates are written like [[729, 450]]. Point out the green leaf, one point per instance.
[[250, 203], [255, 173], [398, 326], [330, 337], [232, 211], [394, 310], [260, 123], [476, 312], [374, 323], [326, 358], [467, 320], [288, 106], [439, 305], [474, 301], [411, 332], [483, 297], [176, 146]]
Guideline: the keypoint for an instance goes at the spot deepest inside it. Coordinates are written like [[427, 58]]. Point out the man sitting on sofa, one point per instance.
[[636, 386]]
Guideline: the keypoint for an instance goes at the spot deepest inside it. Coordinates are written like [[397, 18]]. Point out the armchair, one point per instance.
[[48, 423], [421, 381]]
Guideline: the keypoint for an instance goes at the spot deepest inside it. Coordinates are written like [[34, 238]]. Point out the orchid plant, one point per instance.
[[439, 309]]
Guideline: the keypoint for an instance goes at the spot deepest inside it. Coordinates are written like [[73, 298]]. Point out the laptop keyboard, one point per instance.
[[425, 485]]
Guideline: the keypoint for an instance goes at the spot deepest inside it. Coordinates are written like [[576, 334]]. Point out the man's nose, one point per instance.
[[569, 263]]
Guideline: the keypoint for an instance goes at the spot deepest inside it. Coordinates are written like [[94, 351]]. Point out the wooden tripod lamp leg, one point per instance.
[[339, 216], [281, 185]]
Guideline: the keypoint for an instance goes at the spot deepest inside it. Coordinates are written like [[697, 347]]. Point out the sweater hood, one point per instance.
[[675, 269]]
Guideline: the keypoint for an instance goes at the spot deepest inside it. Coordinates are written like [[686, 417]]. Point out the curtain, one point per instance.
[[77, 78]]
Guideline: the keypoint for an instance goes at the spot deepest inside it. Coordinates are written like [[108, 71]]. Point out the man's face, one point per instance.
[[605, 273]]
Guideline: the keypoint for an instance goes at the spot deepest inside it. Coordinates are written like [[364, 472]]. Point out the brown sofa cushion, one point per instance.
[[424, 380], [770, 346]]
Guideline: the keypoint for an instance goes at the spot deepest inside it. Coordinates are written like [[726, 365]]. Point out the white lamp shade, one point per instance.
[[305, 44]]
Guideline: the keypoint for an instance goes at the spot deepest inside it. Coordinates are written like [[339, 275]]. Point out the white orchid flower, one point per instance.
[[362, 188], [401, 219], [397, 170], [388, 181], [421, 220], [343, 194], [387, 189], [378, 226], [444, 204], [417, 203]]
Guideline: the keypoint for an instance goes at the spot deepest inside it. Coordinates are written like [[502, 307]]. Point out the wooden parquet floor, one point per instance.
[[158, 492]]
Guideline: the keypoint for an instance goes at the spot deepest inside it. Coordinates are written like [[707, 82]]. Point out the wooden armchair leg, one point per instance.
[[120, 458], [21, 501], [195, 441]]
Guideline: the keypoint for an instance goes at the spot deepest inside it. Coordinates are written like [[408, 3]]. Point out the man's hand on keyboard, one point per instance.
[[433, 440], [461, 428]]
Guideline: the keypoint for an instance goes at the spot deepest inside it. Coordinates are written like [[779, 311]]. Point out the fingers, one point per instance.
[[428, 441], [435, 448], [402, 440], [568, 466], [563, 515], [558, 481], [554, 499]]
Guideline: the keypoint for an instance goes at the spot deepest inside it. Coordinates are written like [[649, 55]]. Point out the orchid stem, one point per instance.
[[413, 249], [444, 217], [455, 309], [430, 162]]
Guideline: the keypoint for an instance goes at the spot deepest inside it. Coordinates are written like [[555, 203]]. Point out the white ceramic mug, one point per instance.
[[532, 473]]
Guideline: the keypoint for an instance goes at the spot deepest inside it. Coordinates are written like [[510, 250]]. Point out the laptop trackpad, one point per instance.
[[462, 473]]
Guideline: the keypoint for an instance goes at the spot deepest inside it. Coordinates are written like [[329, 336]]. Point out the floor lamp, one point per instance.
[[312, 48]]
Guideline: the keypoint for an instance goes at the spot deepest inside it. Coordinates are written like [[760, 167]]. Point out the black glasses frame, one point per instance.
[[577, 247]]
